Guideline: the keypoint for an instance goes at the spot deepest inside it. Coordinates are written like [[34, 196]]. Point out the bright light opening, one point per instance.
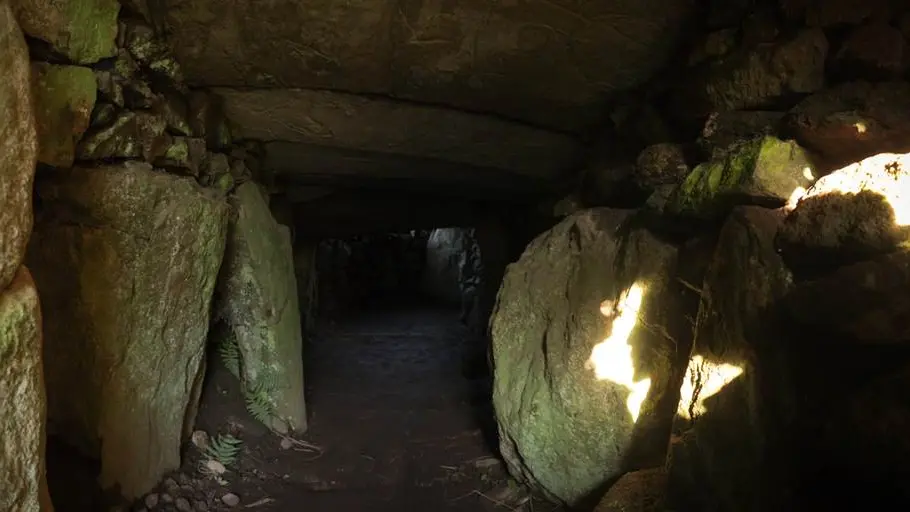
[[886, 174], [611, 359], [704, 379]]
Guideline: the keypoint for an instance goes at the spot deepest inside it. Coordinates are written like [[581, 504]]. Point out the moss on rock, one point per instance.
[[64, 99], [765, 170], [85, 31]]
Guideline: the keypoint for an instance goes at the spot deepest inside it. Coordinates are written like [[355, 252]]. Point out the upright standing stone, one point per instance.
[[22, 400], [258, 299], [127, 259], [18, 146]]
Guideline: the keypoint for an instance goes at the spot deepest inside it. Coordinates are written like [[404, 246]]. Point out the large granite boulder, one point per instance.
[[546, 63], [259, 302], [638, 491], [584, 350], [856, 212], [738, 393], [127, 259], [23, 408], [753, 78], [867, 301], [18, 147], [83, 30], [64, 99], [852, 121]]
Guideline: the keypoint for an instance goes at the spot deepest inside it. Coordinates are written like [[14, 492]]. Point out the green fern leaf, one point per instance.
[[230, 354], [224, 449], [259, 401]]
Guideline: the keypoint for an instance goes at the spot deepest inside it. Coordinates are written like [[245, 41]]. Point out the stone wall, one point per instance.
[[23, 405], [136, 199], [773, 158]]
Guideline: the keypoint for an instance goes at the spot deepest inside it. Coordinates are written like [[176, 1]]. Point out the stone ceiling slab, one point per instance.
[[548, 62], [357, 122], [305, 164]]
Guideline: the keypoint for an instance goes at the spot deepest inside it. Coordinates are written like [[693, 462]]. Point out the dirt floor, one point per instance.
[[400, 420]]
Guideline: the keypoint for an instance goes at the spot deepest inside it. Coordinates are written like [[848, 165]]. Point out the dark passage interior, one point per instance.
[[393, 255], [398, 383]]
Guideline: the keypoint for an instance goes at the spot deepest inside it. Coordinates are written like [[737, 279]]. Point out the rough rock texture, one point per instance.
[[874, 50], [852, 121], [763, 171], [356, 122], [563, 408], [131, 134], [756, 78], [725, 459], [638, 491], [18, 147], [542, 62], [64, 99], [258, 300], [127, 259], [856, 212], [82, 30], [723, 129], [660, 164], [307, 282], [446, 250], [867, 300], [23, 408]]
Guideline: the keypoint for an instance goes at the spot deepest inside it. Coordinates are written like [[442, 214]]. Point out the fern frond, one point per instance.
[[259, 404], [224, 449], [230, 354]]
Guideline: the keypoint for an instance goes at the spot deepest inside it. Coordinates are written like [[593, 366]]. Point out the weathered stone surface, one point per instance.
[[174, 109], [638, 491], [127, 259], [82, 30], [24, 407], [765, 170], [307, 282], [185, 154], [724, 460], [258, 300], [18, 147], [151, 52], [867, 301], [64, 97], [856, 212], [872, 51], [570, 384], [129, 135], [754, 79], [546, 63], [723, 129], [349, 121], [852, 121], [660, 164]]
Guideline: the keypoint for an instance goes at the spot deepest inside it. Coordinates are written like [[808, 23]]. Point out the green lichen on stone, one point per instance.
[[224, 183], [178, 151], [64, 99], [85, 31], [764, 170]]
